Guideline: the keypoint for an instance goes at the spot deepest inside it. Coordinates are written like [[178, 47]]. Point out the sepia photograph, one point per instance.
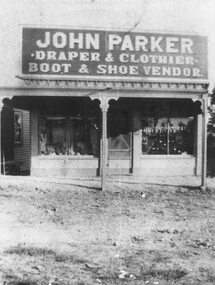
[[107, 142]]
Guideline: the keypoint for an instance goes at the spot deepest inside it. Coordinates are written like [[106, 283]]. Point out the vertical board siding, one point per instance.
[[22, 153]]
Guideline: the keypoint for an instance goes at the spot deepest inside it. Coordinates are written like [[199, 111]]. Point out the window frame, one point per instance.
[[68, 121], [18, 141], [168, 155]]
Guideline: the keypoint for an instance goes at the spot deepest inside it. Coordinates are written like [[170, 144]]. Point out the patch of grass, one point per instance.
[[6, 195], [165, 275], [32, 251], [168, 275], [36, 252], [137, 239], [69, 259], [11, 279], [22, 283]]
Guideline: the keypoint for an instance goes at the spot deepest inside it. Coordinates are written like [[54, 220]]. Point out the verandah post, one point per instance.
[[204, 141], [1, 105], [104, 99], [104, 148]]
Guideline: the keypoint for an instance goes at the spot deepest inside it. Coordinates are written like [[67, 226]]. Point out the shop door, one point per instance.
[[119, 142]]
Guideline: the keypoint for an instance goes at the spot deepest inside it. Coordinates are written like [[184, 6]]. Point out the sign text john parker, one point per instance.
[[114, 54]]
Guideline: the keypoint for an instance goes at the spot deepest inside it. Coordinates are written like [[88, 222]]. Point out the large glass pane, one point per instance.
[[84, 136], [181, 136], [53, 136], [154, 136], [167, 136], [69, 136]]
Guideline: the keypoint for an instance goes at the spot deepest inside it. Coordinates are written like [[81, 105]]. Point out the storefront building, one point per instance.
[[104, 102]]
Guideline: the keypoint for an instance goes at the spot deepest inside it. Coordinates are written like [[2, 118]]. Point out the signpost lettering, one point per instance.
[[113, 54]]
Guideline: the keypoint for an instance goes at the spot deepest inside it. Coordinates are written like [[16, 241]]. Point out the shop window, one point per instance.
[[18, 127], [69, 136], [168, 136]]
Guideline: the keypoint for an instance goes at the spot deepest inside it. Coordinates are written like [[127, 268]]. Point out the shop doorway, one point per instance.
[[119, 142]]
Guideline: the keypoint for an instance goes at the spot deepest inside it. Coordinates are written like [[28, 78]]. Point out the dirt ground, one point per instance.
[[160, 231]]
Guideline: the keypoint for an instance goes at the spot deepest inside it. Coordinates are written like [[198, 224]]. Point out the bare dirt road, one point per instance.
[[69, 232]]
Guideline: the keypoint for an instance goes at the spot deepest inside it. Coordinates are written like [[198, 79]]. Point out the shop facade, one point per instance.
[[100, 102]]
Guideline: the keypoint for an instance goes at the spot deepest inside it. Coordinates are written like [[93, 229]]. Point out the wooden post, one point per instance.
[[1, 105], [167, 143], [104, 148], [104, 108], [204, 141], [104, 99]]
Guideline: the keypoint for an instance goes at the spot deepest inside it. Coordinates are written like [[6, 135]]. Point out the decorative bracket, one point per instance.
[[104, 99], [202, 102], [1, 105], [2, 99]]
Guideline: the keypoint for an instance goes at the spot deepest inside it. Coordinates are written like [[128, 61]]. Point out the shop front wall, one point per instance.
[[62, 166], [167, 166], [153, 126], [142, 138]]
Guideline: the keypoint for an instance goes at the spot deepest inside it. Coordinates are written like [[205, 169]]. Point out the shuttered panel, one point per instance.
[[22, 152]]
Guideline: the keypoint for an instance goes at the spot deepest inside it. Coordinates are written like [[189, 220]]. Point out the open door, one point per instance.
[[119, 142]]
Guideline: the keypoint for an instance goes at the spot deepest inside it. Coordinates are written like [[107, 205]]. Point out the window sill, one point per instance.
[[66, 157], [165, 156]]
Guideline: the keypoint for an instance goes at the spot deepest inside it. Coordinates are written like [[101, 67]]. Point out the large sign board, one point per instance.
[[99, 54]]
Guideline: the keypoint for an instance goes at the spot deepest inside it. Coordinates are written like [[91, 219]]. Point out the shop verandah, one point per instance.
[[134, 134]]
